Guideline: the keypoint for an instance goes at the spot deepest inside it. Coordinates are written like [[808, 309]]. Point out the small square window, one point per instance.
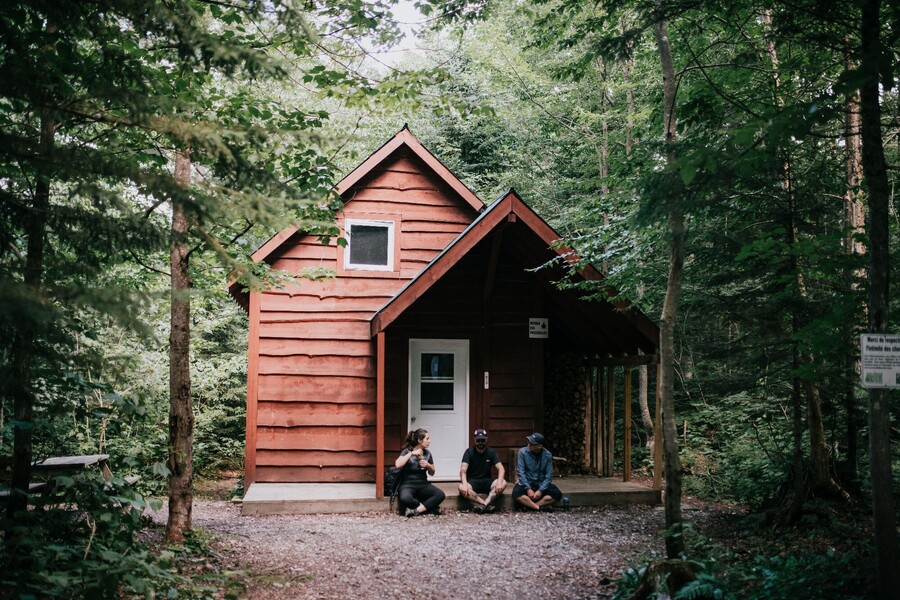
[[370, 245]]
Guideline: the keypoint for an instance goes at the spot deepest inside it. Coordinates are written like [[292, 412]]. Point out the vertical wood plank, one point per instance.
[[252, 390], [657, 438], [626, 434], [588, 411], [379, 415], [601, 423], [611, 419]]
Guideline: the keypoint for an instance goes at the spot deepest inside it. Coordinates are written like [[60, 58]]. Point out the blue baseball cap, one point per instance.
[[535, 438]]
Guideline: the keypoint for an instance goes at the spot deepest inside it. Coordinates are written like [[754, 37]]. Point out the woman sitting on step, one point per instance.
[[416, 461]]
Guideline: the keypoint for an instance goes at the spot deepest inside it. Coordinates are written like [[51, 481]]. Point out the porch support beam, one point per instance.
[[657, 438], [610, 420], [626, 433], [379, 415]]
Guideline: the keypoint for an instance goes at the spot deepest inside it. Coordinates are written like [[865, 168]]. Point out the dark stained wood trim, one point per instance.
[[379, 414], [626, 434], [610, 420], [438, 269], [601, 420], [252, 391], [496, 241], [629, 361], [538, 350]]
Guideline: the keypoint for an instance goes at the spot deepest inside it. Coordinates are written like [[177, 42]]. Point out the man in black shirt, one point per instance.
[[475, 474]]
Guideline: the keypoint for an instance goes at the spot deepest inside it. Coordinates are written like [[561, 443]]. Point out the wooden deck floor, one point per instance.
[[318, 498]]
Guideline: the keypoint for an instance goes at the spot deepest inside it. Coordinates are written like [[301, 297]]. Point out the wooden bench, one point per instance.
[[59, 465], [62, 464], [68, 464]]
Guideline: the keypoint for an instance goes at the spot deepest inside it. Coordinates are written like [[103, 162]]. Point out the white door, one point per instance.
[[439, 399]]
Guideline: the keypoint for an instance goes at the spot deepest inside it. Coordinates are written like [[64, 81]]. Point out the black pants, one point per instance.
[[413, 493]]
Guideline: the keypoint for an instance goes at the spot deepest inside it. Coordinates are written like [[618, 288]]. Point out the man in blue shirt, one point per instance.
[[534, 466]]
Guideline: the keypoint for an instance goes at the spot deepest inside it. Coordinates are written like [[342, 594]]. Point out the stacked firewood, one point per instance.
[[565, 402]]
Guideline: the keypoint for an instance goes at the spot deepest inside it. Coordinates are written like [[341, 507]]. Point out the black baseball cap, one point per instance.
[[480, 434], [535, 438]]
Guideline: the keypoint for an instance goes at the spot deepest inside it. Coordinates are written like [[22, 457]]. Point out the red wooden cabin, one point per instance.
[[435, 318]]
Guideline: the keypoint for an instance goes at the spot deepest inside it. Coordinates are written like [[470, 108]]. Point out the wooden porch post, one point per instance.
[[657, 438], [588, 410], [379, 415], [611, 420], [600, 445], [252, 391], [626, 433]]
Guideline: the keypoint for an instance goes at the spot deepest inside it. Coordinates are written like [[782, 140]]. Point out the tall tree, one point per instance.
[[673, 470], [88, 115], [872, 60], [181, 413]]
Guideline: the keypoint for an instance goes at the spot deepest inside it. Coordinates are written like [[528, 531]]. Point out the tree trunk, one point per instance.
[[854, 224], [603, 156], [181, 415], [672, 467], [820, 473], [643, 370], [874, 169], [22, 351]]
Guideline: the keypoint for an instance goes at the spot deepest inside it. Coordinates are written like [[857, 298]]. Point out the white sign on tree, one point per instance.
[[880, 354]]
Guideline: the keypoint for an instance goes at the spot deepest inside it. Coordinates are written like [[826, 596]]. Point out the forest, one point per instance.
[[730, 166]]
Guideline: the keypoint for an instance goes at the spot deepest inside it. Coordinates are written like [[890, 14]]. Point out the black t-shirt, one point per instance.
[[480, 464], [412, 472]]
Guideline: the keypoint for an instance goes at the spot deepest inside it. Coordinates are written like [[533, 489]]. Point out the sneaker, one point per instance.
[[478, 509], [547, 509], [490, 508], [436, 511], [410, 512]]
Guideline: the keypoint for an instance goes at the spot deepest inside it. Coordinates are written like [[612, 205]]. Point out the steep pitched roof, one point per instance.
[[631, 328], [403, 138]]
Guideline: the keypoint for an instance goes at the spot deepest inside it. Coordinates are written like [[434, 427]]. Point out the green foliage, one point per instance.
[[87, 538], [706, 586], [79, 541], [813, 576]]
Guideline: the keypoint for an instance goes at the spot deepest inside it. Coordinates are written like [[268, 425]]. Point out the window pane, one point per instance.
[[437, 396], [437, 381], [369, 245], [437, 366]]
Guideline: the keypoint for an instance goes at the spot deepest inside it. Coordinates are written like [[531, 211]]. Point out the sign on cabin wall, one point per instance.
[[880, 354], [538, 328]]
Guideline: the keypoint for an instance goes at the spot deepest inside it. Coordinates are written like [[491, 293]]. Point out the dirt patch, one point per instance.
[[576, 554]]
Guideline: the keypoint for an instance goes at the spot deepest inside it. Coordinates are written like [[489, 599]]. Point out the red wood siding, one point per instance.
[[314, 412]]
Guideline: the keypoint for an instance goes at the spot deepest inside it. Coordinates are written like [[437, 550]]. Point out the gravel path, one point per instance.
[[564, 555]]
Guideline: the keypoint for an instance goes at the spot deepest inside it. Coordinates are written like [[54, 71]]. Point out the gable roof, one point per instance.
[[403, 138], [628, 328]]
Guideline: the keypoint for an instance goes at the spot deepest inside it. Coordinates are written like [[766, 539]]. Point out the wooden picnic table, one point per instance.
[[46, 468], [59, 464]]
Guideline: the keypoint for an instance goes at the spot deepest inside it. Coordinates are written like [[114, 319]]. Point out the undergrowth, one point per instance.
[[816, 560], [87, 538]]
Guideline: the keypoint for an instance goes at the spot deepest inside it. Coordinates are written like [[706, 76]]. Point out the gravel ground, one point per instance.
[[564, 555]]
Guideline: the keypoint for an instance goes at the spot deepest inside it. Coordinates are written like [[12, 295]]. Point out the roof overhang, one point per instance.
[[615, 316]]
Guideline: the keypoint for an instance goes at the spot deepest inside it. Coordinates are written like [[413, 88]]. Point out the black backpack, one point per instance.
[[392, 479]]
